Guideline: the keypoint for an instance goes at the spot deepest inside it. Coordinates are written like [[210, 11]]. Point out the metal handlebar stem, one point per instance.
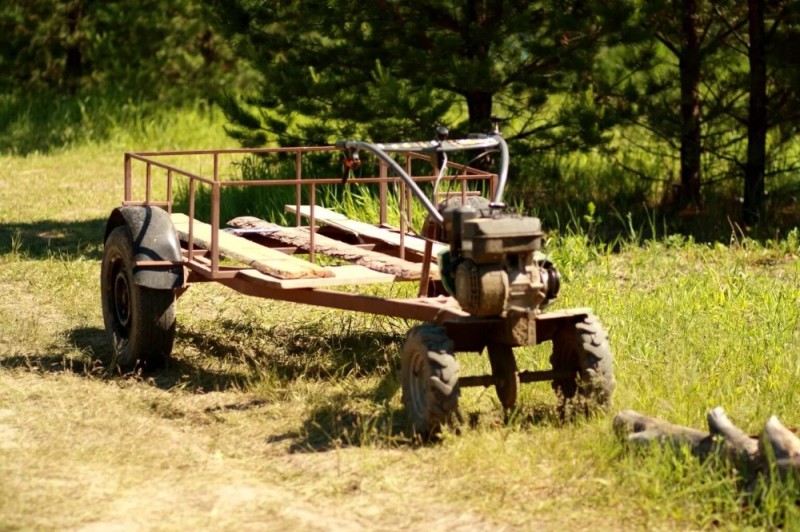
[[382, 155], [503, 175], [442, 170], [382, 152]]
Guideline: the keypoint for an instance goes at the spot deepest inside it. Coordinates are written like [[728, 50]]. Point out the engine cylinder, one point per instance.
[[481, 290]]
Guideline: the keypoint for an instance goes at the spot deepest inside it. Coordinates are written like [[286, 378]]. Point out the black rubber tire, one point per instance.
[[140, 321], [505, 373], [429, 380], [581, 348]]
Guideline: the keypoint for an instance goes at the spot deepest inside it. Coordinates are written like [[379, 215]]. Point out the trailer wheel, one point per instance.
[[581, 349], [504, 371], [429, 379], [140, 321]]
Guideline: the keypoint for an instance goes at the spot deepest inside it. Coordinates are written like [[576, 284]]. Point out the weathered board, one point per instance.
[[300, 237], [335, 219], [349, 274], [261, 258]]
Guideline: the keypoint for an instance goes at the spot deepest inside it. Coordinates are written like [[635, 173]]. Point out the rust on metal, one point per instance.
[[203, 261], [524, 377]]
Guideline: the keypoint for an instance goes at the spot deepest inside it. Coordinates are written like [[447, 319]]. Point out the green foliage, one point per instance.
[[395, 69], [45, 122], [590, 91], [158, 49]]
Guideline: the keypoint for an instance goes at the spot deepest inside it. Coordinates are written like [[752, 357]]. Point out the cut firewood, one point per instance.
[[632, 422], [723, 439], [739, 445], [300, 238], [641, 429], [785, 445]]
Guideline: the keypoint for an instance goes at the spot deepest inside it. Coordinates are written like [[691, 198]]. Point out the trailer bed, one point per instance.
[[271, 267]]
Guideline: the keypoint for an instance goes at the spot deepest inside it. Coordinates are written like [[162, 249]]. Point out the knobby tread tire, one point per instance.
[[429, 380], [582, 348]]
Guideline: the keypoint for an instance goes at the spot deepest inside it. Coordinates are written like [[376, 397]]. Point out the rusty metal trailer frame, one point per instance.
[[203, 264]]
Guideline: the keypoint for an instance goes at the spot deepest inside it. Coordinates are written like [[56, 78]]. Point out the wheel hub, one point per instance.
[[122, 299]]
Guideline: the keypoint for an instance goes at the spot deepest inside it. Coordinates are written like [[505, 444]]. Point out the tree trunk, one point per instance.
[[481, 20], [73, 68], [479, 107], [757, 116], [689, 66]]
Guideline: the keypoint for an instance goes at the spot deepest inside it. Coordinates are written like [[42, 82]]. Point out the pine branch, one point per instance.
[[770, 33], [793, 168], [669, 139], [539, 129], [651, 151], [639, 173], [718, 178], [729, 158], [669, 44], [724, 108], [733, 29]]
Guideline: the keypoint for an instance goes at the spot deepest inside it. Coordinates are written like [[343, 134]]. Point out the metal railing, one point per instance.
[[154, 160]]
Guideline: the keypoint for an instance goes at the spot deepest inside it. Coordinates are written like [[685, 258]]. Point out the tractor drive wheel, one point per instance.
[[581, 349], [504, 371], [429, 379], [140, 321]]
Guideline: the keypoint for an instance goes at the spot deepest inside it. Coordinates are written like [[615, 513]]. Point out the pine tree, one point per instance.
[[763, 96], [148, 48], [393, 69], [674, 67]]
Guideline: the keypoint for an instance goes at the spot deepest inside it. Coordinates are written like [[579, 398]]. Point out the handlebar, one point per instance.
[[382, 150]]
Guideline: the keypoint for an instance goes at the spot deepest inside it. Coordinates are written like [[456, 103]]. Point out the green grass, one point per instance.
[[284, 415]]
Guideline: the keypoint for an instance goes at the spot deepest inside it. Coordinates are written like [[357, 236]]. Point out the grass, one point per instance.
[[279, 415]]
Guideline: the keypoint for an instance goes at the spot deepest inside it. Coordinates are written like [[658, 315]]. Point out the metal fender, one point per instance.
[[154, 239]]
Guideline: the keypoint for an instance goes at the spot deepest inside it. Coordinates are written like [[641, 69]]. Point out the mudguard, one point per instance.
[[154, 239]]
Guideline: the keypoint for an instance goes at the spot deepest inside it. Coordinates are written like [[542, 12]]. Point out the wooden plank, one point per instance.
[[341, 221], [321, 213], [261, 258], [349, 274], [300, 237]]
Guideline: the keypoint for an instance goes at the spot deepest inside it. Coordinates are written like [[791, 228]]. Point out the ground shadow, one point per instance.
[[330, 357], [51, 363], [337, 425], [309, 352], [84, 341], [45, 238], [95, 361], [289, 352]]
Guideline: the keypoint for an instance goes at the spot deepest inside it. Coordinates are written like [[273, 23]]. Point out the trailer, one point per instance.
[[484, 284]]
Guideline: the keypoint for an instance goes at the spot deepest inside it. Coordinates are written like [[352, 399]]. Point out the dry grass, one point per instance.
[[281, 416]]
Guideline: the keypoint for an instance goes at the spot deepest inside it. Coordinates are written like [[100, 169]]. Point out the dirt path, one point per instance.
[[90, 455]]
